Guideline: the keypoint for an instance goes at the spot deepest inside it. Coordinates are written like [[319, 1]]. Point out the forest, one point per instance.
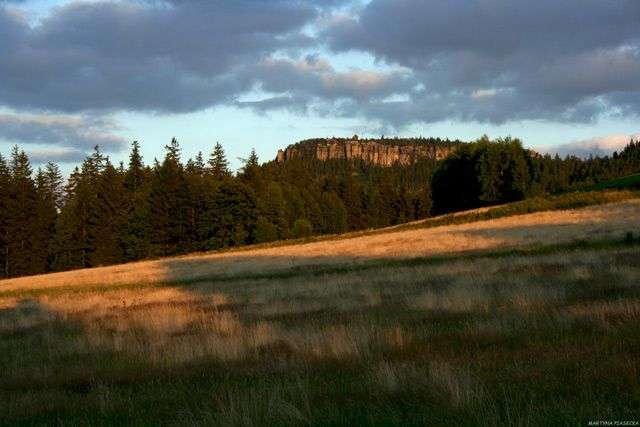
[[106, 214]]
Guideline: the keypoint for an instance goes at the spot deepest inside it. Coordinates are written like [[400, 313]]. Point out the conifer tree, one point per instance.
[[168, 204], [108, 218], [251, 169], [136, 186], [5, 201], [47, 186], [77, 231], [272, 208], [232, 215], [22, 233], [218, 164], [197, 189]]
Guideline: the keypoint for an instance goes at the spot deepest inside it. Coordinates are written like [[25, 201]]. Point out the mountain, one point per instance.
[[381, 151]]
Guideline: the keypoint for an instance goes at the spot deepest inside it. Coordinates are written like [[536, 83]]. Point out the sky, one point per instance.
[[563, 76]]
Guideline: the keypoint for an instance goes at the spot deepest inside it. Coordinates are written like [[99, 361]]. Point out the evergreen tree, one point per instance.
[[251, 169], [302, 228], [48, 196], [232, 215], [136, 186], [23, 253], [5, 203], [77, 231], [334, 214], [272, 208], [168, 205], [197, 190], [108, 218], [53, 182], [218, 164]]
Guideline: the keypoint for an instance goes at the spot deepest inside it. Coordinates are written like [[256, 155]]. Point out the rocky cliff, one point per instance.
[[383, 151]]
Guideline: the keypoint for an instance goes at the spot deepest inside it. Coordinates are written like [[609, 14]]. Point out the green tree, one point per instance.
[[218, 164], [232, 215], [266, 231], [77, 231], [136, 186], [48, 189], [5, 202], [302, 228], [482, 173], [24, 253], [250, 172], [108, 218], [168, 200], [334, 214]]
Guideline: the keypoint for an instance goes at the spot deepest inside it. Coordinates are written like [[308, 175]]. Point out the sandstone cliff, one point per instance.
[[383, 152]]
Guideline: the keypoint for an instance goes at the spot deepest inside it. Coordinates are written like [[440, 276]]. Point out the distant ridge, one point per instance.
[[379, 151]]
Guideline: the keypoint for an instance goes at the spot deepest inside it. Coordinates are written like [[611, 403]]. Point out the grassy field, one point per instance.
[[524, 320]]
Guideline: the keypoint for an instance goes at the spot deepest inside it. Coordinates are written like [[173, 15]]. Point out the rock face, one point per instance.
[[382, 152]]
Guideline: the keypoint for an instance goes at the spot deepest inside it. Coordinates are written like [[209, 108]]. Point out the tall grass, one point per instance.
[[454, 325], [522, 339]]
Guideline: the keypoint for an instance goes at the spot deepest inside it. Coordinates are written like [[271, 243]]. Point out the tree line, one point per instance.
[[105, 214], [485, 172]]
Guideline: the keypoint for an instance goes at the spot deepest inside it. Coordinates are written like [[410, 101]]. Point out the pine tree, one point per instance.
[[218, 164], [22, 233], [251, 169], [5, 202], [53, 182], [108, 218], [196, 203], [168, 204], [272, 208], [136, 185], [46, 215], [135, 177], [232, 215], [76, 230]]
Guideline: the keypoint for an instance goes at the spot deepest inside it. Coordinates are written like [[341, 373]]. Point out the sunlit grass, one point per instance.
[[537, 336]]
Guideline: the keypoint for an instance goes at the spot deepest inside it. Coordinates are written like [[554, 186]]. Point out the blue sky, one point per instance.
[[562, 76]]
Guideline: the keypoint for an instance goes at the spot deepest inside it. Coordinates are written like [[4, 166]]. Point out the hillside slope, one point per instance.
[[420, 325], [591, 223]]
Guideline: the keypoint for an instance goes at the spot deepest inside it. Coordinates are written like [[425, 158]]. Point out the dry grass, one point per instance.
[[596, 222], [482, 340]]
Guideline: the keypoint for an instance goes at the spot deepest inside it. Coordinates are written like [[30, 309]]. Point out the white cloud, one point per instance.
[[599, 146]]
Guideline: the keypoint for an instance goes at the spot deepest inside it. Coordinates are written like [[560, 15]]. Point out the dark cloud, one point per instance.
[[65, 134], [469, 60], [159, 56], [569, 60]]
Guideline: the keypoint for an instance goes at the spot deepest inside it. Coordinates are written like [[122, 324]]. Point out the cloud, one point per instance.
[[490, 61], [600, 146], [175, 56], [41, 156], [502, 60], [67, 137], [313, 82]]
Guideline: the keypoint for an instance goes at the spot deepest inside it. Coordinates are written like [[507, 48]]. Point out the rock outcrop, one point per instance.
[[383, 152]]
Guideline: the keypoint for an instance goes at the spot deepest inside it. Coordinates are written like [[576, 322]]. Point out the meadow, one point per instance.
[[531, 319]]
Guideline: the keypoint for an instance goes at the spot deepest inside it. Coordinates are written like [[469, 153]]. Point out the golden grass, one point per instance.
[[596, 222], [239, 320], [452, 333]]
